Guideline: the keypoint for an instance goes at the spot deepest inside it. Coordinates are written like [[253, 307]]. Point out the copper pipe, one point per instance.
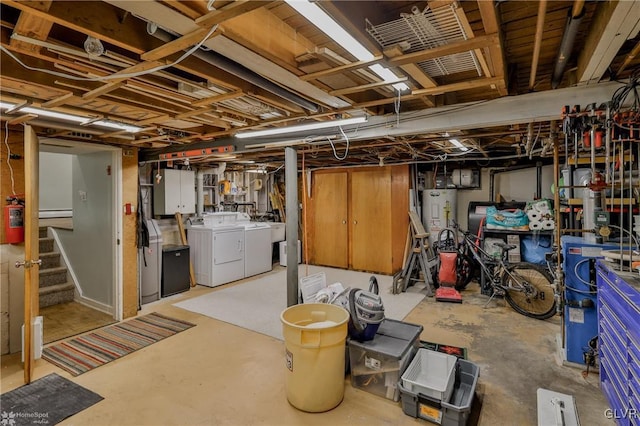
[[542, 11]]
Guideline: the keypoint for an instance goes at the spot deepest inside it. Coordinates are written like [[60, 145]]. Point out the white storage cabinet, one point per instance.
[[175, 193]]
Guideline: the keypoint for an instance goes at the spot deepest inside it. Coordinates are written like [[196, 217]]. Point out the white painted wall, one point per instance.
[[90, 244], [55, 181], [520, 185], [467, 195], [517, 185]]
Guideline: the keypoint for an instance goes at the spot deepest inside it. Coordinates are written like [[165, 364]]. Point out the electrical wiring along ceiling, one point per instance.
[[178, 76]]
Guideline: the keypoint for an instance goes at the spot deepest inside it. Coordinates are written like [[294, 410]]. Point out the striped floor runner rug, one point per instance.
[[83, 353]]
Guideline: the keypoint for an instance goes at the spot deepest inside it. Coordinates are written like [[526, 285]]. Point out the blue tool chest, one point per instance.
[[619, 341]]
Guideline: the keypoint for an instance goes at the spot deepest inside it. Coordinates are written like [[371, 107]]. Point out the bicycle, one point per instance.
[[527, 287]]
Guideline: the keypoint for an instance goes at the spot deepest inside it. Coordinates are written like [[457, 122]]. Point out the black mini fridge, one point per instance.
[[175, 269]]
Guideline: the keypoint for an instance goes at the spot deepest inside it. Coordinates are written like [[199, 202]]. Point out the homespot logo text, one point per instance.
[[622, 413], [12, 419]]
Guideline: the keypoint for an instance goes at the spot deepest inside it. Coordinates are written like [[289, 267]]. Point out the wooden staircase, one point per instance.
[[54, 287]]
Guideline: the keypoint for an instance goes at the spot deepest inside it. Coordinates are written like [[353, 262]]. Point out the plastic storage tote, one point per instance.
[[431, 374], [453, 412], [376, 365], [315, 339]]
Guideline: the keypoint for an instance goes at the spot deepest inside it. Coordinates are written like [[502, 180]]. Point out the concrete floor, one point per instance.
[[217, 373]]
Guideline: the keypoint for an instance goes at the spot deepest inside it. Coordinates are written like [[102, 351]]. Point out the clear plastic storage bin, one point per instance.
[[376, 365]]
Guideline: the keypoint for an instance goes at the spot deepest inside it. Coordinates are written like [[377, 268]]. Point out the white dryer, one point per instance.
[[257, 243], [218, 253]]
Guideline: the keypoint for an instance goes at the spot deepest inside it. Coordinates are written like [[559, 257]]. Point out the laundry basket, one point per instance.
[[314, 340]]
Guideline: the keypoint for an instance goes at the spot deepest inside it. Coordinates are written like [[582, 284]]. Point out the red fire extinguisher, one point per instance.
[[14, 221]]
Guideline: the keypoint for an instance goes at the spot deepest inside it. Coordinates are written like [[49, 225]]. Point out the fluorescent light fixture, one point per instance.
[[458, 145], [388, 75], [54, 114], [261, 171], [41, 112], [301, 127], [117, 126], [327, 25]]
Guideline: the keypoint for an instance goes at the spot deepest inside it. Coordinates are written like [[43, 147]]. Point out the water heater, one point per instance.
[[439, 208]]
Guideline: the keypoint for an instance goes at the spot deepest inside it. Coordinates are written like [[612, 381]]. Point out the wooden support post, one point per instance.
[[183, 240]]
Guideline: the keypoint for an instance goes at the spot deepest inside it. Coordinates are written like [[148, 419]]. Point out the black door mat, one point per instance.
[[46, 401]]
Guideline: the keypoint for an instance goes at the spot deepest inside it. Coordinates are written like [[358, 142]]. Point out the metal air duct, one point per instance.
[[232, 67], [566, 45]]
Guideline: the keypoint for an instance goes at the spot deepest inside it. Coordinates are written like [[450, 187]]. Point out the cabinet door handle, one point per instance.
[[344, 222], [355, 222]]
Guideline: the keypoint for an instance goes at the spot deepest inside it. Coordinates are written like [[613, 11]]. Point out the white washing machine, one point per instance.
[[257, 243], [217, 253]]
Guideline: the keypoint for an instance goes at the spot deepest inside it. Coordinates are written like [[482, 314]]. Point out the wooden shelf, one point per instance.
[[599, 159], [517, 231], [616, 201]]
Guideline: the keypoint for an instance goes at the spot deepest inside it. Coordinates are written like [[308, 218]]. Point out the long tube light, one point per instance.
[[458, 145], [41, 112], [325, 23], [301, 127]]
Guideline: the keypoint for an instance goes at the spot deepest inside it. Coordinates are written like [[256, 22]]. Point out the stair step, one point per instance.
[[49, 260], [56, 294], [53, 276], [43, 231], [46, 245]]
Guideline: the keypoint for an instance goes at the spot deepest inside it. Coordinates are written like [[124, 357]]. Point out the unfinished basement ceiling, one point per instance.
[[263, 65]]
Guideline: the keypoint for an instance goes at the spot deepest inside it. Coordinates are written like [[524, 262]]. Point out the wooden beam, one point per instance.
[[612, 24], [157, 119], [415, 72], [230, 11], [22, 119], [153, 139], [364, 87], [455, 87], [60, 100], [217, 98], [178, 44], [629, 58], [341, 69], [33, 26], [440, 51], [464, 22], [495, 51], [542, 11], [109, 87], [188, 114]]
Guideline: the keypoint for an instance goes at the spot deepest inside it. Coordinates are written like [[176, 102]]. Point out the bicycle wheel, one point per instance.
[[465, 270], [528, 290]]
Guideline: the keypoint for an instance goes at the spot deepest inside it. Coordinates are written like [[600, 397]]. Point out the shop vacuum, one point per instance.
[[367, 312]]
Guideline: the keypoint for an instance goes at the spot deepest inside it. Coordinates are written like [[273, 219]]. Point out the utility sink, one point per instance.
[[277, 231]]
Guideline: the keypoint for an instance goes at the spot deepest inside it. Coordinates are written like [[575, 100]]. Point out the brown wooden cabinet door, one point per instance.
[[330, 240], [370, 220]]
